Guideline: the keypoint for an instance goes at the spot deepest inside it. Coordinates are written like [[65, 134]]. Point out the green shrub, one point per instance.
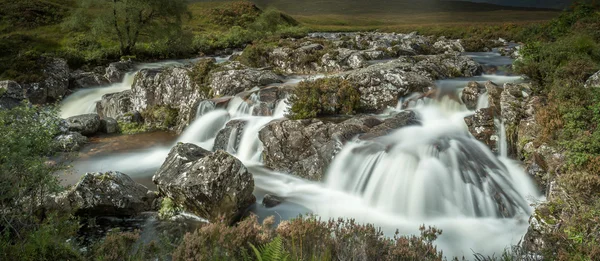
[[200, 75], [237, 13], [257, 54], [168, 209], [326, 96]]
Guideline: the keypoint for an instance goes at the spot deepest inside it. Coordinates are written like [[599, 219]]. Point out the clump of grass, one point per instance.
[[326, 96]]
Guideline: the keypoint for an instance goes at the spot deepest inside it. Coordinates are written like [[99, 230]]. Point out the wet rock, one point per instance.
[[399, 120], [72, 141], [481, 125], [114, 104], [11, 94], [87, 124], [55, 84], [303, 147], [270, 201], [109, 125], [130, 117], [513, 101], [172, 87], [228, 139], [215, 185], [593, 81], [233, 81], [104, 194], [115, 72], [471, 93], [80, 79]]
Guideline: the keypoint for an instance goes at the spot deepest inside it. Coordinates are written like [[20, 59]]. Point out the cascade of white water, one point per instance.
[[435, 169]]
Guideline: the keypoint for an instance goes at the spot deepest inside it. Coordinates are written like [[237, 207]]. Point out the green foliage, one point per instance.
[[237, 13], [200, 75], [27, 231], [564, 54], [168, 209], [32, 13], [161, 117], [326, 96], [257, 54], [272, 251]]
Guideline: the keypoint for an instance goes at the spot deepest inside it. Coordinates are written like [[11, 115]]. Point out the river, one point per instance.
[[435, 173]]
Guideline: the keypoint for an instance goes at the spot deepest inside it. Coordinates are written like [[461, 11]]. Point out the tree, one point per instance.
[[128, 20]]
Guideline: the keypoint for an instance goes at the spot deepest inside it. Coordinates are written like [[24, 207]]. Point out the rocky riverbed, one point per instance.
[[426, 108]]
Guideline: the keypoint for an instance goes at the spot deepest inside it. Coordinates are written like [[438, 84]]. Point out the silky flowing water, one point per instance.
[[434, 173]]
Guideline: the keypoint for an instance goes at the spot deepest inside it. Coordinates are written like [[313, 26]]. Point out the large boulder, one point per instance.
[[105, 194], [235, 78], [169, 87], [115, 72], [80, 79], [114, 104], [55, 84], [305, 148], [11, 94], [86, 124], [215, 186]]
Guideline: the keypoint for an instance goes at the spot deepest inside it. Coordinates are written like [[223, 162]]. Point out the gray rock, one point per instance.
[[470, 95], [306, 147], [130, 117], [482, 127], [228, 139], [55, 84], [171, 87], [104, 194], [80, 79], [115, 72], [87, 124], [72, 141], [233, 81], [114, 104], [109, 125], [216, 186], [513, 101], [270, 201], [593, 81], [11, 94]]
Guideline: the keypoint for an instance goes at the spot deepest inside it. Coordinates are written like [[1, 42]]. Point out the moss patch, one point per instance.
[[327, 96]]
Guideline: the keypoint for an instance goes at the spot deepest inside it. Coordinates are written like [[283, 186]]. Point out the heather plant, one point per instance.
[[326, 96]]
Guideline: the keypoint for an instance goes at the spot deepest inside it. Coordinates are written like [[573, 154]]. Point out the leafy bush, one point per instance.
[[237, 13], [200, 75], [326, 96], [257, 54]]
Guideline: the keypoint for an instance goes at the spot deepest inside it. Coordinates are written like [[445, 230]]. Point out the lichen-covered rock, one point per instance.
[[215, 186], [55, 84], [80, 79], [11, 94], [306, 147], [172, 87], [226, 82], [382, 84], [471, 93], [114, 104], [87, 124], [115, 72], [483, 128], [593, 81], [104, 194], [513, 102], [72, 141]]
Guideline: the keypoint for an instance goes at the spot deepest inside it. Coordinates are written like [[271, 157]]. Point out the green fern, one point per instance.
[[272, 251]]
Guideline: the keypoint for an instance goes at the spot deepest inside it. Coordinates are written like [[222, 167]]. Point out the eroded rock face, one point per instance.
[[114, 104], [11, 94], [471, 93], [80, 79], [513, 101], [171, 87], [211, 185], [234, 79], [105, 194], [306, 147], [87, 124], [228, 139]]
